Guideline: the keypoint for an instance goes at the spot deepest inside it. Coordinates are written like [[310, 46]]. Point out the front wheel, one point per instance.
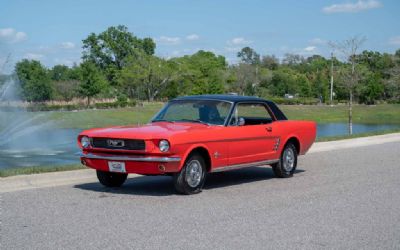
[[110, 179], [190, 179], [287, 163]]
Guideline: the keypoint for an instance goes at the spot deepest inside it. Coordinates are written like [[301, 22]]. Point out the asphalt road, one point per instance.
[[340, 199]]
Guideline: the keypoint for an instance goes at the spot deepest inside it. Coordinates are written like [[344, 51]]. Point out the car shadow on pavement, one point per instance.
[[163, 185], [238, 177]]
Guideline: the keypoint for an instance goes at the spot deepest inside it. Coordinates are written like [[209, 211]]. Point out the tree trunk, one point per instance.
[[352, 84], [88, 101], [149, 93], [351, 113], [155, 93]]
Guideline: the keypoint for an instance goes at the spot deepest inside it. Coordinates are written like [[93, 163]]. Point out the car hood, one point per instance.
[[159, 130]]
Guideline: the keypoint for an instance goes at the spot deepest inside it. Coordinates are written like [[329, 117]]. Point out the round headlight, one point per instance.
[[85, 142], [163, 145]]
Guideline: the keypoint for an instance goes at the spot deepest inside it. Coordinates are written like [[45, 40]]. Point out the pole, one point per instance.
[[331, 79]]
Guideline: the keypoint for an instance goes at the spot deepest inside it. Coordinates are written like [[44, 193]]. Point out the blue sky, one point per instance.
[[51, 31]]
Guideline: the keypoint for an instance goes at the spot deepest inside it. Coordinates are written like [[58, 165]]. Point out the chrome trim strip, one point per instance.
[[244, 165], [129, 158]]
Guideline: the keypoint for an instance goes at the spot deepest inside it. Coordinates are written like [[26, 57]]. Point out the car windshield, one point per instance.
[[199, 111]]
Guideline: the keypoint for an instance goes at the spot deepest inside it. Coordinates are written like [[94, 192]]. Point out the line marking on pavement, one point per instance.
[[74, 177]]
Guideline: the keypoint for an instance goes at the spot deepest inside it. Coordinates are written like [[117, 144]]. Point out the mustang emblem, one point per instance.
[[116, 143]]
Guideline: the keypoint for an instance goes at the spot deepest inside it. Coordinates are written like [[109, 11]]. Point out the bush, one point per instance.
[[46, 107], [294, 101], [69, 107]]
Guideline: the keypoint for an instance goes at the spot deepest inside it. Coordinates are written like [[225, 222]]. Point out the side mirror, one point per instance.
[[241, 121]]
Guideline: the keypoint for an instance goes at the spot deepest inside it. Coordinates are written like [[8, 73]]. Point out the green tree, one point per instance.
[[316, 68], [351, 74], [283, 82], [146, 73], [371, 88], [110, 49], [59, 73], [35, 80], [270, 62], [293, 59], [202, 73], [92, 81], [249, 56]]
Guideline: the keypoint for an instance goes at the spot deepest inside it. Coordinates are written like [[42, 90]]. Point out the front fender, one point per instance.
[[189, 149]]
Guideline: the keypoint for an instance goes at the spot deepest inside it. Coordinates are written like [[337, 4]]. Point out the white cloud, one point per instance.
[[358, 6], [67, 45], [394, 40], [33, 56], [310, 48], [318, 41], [169, 40], [10, 35], [192, 37], [239, 41]]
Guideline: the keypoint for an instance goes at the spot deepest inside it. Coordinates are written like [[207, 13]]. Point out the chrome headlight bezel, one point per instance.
[[164, 145], [85, 141]]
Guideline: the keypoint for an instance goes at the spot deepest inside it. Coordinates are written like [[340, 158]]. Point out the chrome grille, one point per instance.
[[125, 144]]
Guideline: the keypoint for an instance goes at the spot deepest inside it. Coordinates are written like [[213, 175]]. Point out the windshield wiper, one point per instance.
[[190, 120], [161, 120]]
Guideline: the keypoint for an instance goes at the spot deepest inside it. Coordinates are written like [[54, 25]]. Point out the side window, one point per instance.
[[251, 113]]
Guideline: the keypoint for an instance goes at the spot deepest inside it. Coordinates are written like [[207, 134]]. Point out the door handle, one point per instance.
[[269, 129]]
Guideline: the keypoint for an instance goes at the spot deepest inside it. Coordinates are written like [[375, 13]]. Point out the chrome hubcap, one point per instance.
[[194, 173], [288, 159]]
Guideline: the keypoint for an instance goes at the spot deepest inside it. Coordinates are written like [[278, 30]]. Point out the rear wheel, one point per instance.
[[110, 179], [190, 179], [287, 163]]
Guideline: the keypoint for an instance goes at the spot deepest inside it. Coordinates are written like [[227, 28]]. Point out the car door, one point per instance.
[[254, 140]]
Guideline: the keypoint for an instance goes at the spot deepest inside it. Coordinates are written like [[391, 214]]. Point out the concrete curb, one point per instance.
[[25, 182], [353, 143]]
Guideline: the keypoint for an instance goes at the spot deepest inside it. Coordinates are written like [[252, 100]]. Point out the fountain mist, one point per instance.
[[31, 138]]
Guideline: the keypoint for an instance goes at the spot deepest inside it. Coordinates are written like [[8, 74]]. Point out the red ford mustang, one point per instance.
[[194, 135]]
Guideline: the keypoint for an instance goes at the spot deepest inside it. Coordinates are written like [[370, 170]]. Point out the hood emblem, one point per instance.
[[116, 143]]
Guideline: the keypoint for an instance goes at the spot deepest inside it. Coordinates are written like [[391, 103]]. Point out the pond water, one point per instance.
[[337, 129], [51, 146]]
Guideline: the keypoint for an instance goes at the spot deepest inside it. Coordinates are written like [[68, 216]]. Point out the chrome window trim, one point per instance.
[[265, 104]]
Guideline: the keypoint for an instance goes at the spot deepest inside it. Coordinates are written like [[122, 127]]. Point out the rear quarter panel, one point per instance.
[[304, 131]]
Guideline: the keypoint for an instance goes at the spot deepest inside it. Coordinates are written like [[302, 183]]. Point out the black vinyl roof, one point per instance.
[[230, 98]]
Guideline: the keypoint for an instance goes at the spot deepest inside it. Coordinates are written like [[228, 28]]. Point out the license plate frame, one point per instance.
[[116, 166]]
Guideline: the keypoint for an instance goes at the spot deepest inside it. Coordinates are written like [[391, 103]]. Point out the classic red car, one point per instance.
[[194, 135]]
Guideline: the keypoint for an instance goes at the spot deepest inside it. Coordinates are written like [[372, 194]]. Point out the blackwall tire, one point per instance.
[[110, 179], [191, 178], [287, 162]]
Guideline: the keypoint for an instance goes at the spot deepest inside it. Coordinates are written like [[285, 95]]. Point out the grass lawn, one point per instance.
[[39, 169], [376, 114], [84, 119], [379, 114]]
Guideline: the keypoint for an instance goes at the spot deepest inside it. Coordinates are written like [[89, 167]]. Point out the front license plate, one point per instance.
[[116, 166]]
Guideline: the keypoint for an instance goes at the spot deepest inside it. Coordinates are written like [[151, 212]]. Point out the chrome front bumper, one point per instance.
[[129, 158]]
